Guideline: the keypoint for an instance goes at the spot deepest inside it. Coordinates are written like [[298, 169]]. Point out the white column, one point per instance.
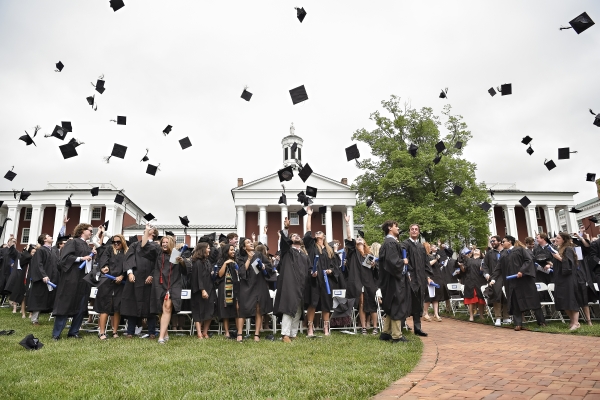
[[34, 224], [304, 223], [571, 220], [531, 221], [241, 221], [118, 224], [58, 221], [350, 213], [262, 219], [328, 225], [492, 222], [86, 214], [551, 222], [12, 225], [284, 214], [511, 222], [111, 216], [344, 229]]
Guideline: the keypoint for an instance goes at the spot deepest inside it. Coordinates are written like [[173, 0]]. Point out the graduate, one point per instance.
[[420, 275], [204, 296], [135, 300], [17, 280], [491, 262], [440, 294], [394, 283], [72, 293], [110, 292], [42, 269], [472, 277], [228, 288], [294, 267], [565, 279], [8, 259], [521, 292]]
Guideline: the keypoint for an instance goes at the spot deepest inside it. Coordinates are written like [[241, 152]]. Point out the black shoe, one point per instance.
[[75, 336], [408, 328], [56, 338], [401, 339], [385, 336], [270, 337], [420, 332]]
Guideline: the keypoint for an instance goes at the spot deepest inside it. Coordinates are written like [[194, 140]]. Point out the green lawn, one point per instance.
[[341, 366]]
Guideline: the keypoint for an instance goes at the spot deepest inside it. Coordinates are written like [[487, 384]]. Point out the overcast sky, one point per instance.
[[185, 63]]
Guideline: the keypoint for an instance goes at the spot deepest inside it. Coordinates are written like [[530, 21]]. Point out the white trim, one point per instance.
[[294, 216], [23, 236], [99, 213], [179, 239]]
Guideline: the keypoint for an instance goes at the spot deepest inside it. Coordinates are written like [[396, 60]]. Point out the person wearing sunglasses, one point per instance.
[[491, 263]]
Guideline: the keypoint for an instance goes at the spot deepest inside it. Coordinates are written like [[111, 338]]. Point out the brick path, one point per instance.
[[475, 361]]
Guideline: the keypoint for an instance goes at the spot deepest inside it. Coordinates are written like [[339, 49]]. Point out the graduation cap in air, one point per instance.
[[151, 169], [23, 195], [298, 95], [67, 126], [579, 23], [74, 142], [90, 100], [184, 221], [58, 133], [169, 233], [457, 190], [590, 177], [282, 199], [119, 198], [597, 119], [105, 225], [311, 191], [59, 67], [132, 239], [68, 201], [28, 139], [300, 13], [525, 201], [167, 130], [352, 153], [285, 174], [526, 140], [593, 219], [437, 159], [564, 153], [222, 238], [305, 172], [99, 84], [185, 143], [360, 233], [444, 94], [94, 191], [121, 120], [68, 150], [116, 5], [574, 210], [117, 151], [458, 145], [149, 217], [369, 202], [10, 175], [492, 193], [485, 206], [31, 343], [322, 209], [412, 149], [301, 212], [505, 89], [492, 92], [440, 146], [145, 158], [549, 164], [246, 95], [529, 150]]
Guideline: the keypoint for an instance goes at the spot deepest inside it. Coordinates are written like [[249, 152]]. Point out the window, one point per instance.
[[179, 239], [323, 218], [25, 236], [286, 153], [94, 231], [540, 229], [28, 212], [299, 153], [294, 220], [97, 213], [537, 213], [293, 154]]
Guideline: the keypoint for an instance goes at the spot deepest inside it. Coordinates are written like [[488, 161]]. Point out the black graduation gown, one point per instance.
[[448, 271], [565, 281], [72, 287], [315, 290], [538, 253], [43, 264], [135, 300], [254, 288], [171, 281], [395, 286], [441, 293], [225, 310], [472, 278], [199, 272], [16, 284], [354, 261], [367, 278], [419, 270], [519, 260], [587, 270], [8, 256], [293, 268], [336, 278], [491, 266], [109, 296]]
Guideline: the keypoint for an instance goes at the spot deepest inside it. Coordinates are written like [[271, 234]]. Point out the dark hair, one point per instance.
[[200, 251], [498, 238], [231, 235], [79, 229], [544, 235], [510, 239], [225, 252], [566, 242], [529, 240], [387, 225], [42, 238]]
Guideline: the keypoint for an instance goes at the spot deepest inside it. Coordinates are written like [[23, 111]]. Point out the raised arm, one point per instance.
[[348, 231], [309, 211]]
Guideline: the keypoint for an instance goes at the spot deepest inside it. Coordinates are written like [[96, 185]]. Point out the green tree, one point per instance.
[[414, 189]]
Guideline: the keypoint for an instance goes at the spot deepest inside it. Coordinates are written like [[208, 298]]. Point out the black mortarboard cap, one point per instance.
[[526, 140], [300, 13], [311, 191], [444, 93], [100, 86], [90, 100], [525, 201], [285, 174], [10, 175], [184, 221], [222, 238], [246, 95], [167, 130], [105, 224], [369, 202], [352, 152], [121, 120], [31, 343], [66, 125], [360, 233], [94, 191], [282, 199], [549, 164], [323, 210], [59, 66], [457, 190], [116, 4], [185, 143], [492, 92], [506, 89], [169, 233], [437, 159], [597, 119], [529, 150], [294, 147], [564, 153], [485, 206], [74, 142], [58, 133], [148, 217], [119, 151], [68, 201], [301, 212], [305, 172], [458, 145], [119, 198], [412, 149], [27, 139], [580, 23], [68, 150], [298, 94], [151, 169], [133, 239], [574, 210], [213, 236], [24, 195], [591, 177], [440, 146]]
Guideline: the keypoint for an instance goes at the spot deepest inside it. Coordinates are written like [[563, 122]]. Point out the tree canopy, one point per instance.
[[414, 189]]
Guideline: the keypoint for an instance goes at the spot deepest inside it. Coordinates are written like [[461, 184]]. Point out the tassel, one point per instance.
[[563, 28], [106, 159]]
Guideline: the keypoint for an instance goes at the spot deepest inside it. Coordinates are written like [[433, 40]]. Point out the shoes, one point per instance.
[[153, 336], [270, 337], [408, 328], [146, 336], [364, 331], [129, 336], [385, 336], [161, 341], [507, 321], [75, 336], [419, 332], [438, 319], [286, 339], [427, 318], [498, 323], [573, 328], [401, 339], [375, 331], [518, 328], [56, 338]]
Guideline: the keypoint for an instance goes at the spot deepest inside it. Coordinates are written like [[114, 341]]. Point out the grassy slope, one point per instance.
[[342, 366]]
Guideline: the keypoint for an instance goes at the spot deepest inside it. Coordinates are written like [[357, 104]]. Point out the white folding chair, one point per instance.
[[186, 294], [454, 298], [91, 312], [550, 289], [380, 312], [341, 293], [489, 310]]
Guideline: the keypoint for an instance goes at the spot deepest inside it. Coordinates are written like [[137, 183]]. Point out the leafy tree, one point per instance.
[[414, 189]]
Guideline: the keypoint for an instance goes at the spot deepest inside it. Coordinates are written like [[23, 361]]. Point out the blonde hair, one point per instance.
[[328, 249], [170, 245], [366, 249], [375, 249], [123, 243], [427, 247]]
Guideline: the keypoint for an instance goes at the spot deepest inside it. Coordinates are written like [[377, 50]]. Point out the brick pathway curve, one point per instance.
[[466, 360]]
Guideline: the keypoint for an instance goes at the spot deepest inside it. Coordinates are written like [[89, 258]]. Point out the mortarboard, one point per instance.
[[505, 89], [457, 190], [597, 119], [485, 206], [282, 199], [549, 164], [116, 4], [66, 126], [525, 201], [440, 146], [564, 153], [133, 239], [323, 210], [352, 152], [246, 95], [145, 158], [117, 151], [458, 145], [149, 217], [121, 120], [68, 201], [360, 233], [222, 238], [185, 143], [590, 177], [23, 195], [68, 150], [74, 142], [99, 86], [59, 66], [579, 23], [31, 343], [105, 225], [184, 221], [10, 175], [285, 174], [294, 147], [169, 233], [63, 238], [167, 130], [27, 139], [311, 191], [58, 133], [593, 219], [412, 149], [298, 94], [369, 202], [300, 13], [437, 159], [151, 169], [529, 150], [301, 212], [305, 172], [526, 140], [119, 198], [94, 191], [90, 100], [213, 236], [444, 94], [574, 210], [492, 92]]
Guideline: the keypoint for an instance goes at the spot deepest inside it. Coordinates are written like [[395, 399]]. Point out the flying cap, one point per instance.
[[105, 224], [529, 150], [116, 5], [485, 206], [444, 93], [591, 177], [412, 149], [305, 172], [59, 66], [298, 95], [457, 190], [246, 95], [597, 119], [369, 202], [23, 195], [66, 126], [68, 150], [117, 151], [352, 152], [68, 201], [10, 175], [549, 164], [27, 139], [151, 169], [285, 174], [322, 209], [526, 140], [121, 120], [145, 158], [574, 210], [185, 143], [282, 199], [440, 146], [74, 142], [149, 217], [119, 198], [437, 159], [505, 89], [580, 23], [525, 201], [458, 145], [169, 233], [167, 130], [564, 153], [311, 191], [184, 221], [94, 191], [492, 92], [301, 212], [90, 100], [58, 133], [99, 85], [300, 13]]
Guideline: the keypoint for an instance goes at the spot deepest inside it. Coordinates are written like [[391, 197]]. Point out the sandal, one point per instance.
[[375, 331], [161, 341], [257, 338], [364, 331], [102, 336], [310, 327], [238, 338], [326, 327], [115, 335]]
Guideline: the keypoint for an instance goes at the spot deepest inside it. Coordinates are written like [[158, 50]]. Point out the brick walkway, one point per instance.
[[469, 360]]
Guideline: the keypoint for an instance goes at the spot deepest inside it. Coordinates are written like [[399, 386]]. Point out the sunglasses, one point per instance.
[[119, 242]]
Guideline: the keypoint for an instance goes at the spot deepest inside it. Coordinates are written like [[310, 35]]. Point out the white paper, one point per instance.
[[579, 253], [19, 265], [254, 266], [431, 290], [50, 288], [174, 254], [367, 261], [88, 267]]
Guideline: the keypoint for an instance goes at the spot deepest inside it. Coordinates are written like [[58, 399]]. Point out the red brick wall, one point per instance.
[[48, 221], [593, 230], [521, 224], [500, 222], [338, 228], [251, 224], [128, 220], [73, 215], [274, 224]]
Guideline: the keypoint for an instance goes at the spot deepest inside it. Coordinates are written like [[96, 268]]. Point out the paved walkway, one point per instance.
[[475, 361]]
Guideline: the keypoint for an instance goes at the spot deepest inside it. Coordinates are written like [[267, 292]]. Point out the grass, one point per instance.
[[341, 366]]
